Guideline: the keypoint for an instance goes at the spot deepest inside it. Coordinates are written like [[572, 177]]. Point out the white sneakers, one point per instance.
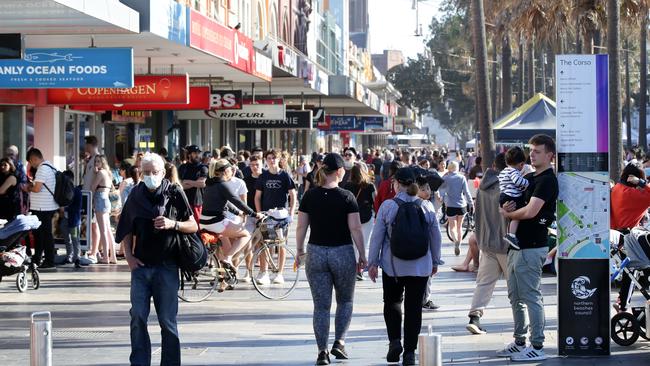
[[522, 353], [264, 280]]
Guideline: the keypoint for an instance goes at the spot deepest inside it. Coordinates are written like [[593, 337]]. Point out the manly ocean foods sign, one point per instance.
[[296, 120], [69, 68]]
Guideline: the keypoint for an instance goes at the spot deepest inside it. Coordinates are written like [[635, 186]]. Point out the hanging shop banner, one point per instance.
[[127, 116], [344, 123], [252, 112], [373, 123], [69, 68], [226, 99], [147, 89], [296, 120], [199, 100], [209, 36], [583, 204], [318, 115], [243, 53]]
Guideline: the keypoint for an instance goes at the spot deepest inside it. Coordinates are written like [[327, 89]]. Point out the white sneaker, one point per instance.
[[263, 279], [529, 354], [511, 349], [279, 279], [246, 279]]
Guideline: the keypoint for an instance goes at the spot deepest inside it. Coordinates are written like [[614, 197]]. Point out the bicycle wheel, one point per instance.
[[467, 225], [448, 232], [267, 282], [201, 284]]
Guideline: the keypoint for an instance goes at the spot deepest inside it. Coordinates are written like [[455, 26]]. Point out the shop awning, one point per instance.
[[67, 17]]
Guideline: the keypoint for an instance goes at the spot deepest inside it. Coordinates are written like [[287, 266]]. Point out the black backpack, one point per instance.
[[63, 189], [409, 237]]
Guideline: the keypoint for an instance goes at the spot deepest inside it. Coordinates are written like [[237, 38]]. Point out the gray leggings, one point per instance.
[[327, 268]]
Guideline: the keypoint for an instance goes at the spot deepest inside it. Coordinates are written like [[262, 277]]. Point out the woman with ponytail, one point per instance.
[[403, 280], [332, 214], [361, 186]]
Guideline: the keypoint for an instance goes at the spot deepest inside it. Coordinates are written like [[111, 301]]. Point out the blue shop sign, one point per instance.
[[343, 123], [370, 123], [69, 68]]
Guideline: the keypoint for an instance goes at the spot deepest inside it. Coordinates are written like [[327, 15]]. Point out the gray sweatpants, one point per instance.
[[330, 268], [524, 292]]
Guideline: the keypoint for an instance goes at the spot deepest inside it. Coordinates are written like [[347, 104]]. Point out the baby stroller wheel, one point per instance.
[[36, 279], [625, 329], [21, 281], [640, 315]]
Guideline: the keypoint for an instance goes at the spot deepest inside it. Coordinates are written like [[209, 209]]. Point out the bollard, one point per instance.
[[647, 319], [430, 345], [41, 340]]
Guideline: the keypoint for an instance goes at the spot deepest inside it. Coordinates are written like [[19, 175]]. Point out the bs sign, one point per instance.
[[226, 99]]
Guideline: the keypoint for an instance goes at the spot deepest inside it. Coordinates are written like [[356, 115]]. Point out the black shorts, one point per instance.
[[519, 201], [455, 211]]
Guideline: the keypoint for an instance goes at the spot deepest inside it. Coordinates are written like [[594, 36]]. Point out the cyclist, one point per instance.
[[332, 214], [218, 218]]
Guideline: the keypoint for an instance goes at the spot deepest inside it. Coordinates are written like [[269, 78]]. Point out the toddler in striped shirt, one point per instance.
[[513, 185]]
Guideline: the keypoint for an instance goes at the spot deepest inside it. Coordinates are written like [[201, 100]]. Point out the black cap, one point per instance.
[[333, 161], [350, 148], [193, 149], [405, 175]]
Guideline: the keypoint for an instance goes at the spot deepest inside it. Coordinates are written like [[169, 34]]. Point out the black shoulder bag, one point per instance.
[[192, 253]]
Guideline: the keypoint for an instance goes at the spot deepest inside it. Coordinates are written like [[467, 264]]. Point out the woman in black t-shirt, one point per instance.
[[332, 214], [364, 191]]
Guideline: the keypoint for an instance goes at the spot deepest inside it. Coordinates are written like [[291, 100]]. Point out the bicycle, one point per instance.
[[468, 223], [198, 286], [273, 251]]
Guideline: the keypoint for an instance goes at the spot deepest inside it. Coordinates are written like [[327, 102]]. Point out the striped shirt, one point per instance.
[[44, 200], [511, 182]]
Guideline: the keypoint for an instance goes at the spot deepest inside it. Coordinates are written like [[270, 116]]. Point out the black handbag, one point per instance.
[[192, 253]]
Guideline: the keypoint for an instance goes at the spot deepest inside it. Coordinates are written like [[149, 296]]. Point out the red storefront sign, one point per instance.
[[199, 100], [211, 37], [146, 89], [20, 96], [243, 55]]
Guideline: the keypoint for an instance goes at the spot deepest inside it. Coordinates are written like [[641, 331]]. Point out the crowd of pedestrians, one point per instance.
[[364, 211]]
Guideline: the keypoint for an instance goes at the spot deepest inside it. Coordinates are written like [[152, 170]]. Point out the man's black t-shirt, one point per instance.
[[250, 186], [310, 178], [377, 163], [275, 189], [328, 211], [193, 171], [533, 233]]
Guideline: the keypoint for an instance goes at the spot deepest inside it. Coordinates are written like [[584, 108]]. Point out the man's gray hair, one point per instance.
[[12, 149], [388, 156], [155, 159]]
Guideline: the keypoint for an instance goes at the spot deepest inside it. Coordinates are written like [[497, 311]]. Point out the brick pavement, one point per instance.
[[90, 311]]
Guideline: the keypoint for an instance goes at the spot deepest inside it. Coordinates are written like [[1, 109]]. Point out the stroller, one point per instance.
[[13, 255], [631, 258]]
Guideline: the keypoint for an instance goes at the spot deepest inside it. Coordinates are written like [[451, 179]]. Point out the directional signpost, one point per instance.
[[583, 204]]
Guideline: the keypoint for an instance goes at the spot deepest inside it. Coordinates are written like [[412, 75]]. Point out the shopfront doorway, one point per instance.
[[77, 126]]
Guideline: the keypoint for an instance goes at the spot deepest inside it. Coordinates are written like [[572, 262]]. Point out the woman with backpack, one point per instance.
[[405, 243], [332, 215]]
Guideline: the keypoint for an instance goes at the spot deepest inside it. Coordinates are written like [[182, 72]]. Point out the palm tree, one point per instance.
[[613, 49], [506, 75], [483, 89], [643, 69]]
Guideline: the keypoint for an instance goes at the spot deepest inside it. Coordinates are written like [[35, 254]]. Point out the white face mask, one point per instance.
[[152, 181], [348, 164]]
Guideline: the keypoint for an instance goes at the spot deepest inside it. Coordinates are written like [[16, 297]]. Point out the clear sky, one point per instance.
[[392, 25]]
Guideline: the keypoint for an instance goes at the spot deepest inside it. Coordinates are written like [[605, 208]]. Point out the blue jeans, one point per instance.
[[160, 282]]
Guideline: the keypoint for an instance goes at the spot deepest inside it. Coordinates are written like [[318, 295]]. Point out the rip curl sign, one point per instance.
[[583, 307]]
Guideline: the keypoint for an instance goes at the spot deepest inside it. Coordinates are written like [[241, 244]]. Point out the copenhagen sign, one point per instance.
[[69, 68], [147, 89], [295, 120]]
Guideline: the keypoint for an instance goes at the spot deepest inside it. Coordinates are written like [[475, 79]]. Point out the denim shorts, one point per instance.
[[102, 203]]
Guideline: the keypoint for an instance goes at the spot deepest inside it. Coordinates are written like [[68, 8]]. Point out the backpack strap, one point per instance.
[[55, 171]]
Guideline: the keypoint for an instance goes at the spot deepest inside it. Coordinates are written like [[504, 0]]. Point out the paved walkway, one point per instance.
[[91, 323]]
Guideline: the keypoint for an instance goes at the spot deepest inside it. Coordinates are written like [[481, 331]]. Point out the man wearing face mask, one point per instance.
[[349, 159], [147, 233], [193, 175]]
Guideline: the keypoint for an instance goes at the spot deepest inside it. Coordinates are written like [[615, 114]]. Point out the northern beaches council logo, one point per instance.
[[579, 288]]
